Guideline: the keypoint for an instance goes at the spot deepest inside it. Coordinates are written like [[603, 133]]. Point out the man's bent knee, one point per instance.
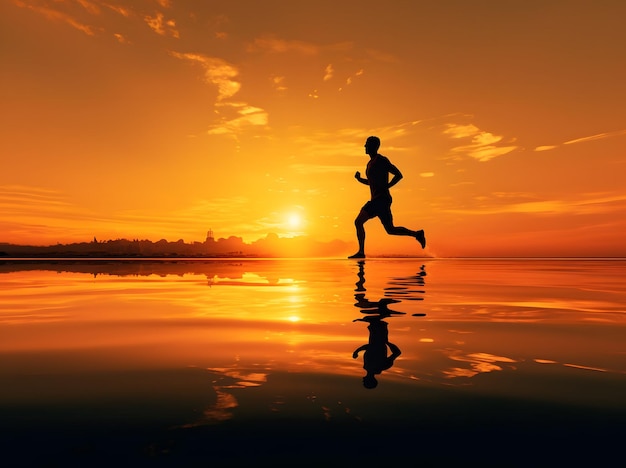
[[389, 228], [361, 219]]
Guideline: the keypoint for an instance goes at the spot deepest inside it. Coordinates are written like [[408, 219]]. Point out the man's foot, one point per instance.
[[421, 238], [357, 255]]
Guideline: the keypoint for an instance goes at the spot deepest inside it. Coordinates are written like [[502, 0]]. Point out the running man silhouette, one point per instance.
[[377, 177]]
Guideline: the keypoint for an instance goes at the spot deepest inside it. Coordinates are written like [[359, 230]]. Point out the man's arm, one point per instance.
[[397, 176], [358, 177], [356, 351], [395, 351]]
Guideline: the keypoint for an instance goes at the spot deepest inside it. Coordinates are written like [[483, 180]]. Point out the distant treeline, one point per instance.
[[270, 246]]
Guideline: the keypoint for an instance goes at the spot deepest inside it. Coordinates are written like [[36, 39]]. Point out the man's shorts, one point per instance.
[[380, 207]]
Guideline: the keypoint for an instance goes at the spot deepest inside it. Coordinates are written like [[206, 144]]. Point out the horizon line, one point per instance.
[[131, 258]]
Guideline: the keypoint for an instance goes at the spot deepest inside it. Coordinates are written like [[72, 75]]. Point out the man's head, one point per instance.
[[369, 381], [372, 144]]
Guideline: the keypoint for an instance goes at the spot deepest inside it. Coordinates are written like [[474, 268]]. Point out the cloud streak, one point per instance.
[[57, 15], [482, 146], [275, 45], [239, 115], [593, 204], [598, 136]]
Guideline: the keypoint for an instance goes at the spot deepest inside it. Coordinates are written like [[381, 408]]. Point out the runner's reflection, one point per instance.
[[379, 353]]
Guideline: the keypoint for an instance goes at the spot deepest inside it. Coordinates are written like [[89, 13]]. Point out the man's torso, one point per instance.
[[377, 173]]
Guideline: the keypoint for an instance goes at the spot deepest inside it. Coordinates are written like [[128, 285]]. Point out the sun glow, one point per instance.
[[294, 221]]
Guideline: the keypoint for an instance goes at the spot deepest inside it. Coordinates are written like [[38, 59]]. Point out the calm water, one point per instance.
[[233, 362]]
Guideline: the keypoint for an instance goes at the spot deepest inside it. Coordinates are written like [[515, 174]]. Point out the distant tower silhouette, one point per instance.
[[209, 236]]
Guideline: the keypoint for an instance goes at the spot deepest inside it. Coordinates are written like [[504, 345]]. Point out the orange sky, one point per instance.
[[164, 118]]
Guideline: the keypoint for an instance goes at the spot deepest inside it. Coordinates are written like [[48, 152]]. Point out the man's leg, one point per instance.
[[387, 220], [359, 223]]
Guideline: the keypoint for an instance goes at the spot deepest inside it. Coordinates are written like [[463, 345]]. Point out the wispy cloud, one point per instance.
[[217, 72], [121, 38], [232, 116], [500, 203], [31, 213], [61, 16], [72, 13], [482, 145], [275, 45], [236, 116], [120, 9], [351, 78], [279, 83], [161, 26], [270, 43], [328, 72], [331, 75], [31, 198], [598, 136], [546, 147], [91, 7]]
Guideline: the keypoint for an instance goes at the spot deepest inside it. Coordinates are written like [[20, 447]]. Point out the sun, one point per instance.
[[294, 221]]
